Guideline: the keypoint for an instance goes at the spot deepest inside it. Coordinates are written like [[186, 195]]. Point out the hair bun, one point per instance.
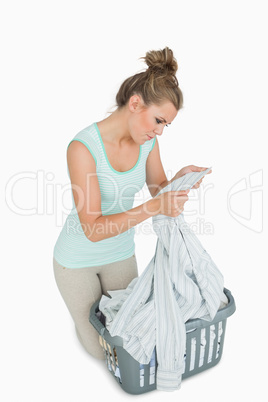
[[161, 60], [157, 84]]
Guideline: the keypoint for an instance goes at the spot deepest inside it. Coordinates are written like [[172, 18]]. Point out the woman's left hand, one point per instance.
[[189, 169]]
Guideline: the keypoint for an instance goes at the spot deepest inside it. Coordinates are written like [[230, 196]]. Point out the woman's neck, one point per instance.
[[114, 128]]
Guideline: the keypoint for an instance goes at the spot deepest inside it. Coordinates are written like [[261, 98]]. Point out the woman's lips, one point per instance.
[[149, 137]]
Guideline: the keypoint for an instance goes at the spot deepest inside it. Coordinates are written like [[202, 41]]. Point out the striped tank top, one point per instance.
[[73, 249]]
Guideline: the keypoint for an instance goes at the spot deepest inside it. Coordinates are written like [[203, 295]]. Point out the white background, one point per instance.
[[62, 64]]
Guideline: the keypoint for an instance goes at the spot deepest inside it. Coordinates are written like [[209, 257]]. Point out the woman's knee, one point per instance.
[[89, 339]]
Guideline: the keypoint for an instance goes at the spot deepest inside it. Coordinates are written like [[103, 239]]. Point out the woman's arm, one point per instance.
[[107, 226], [87, 198]]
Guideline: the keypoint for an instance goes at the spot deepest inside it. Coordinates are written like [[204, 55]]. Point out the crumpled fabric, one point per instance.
[[181, 282]]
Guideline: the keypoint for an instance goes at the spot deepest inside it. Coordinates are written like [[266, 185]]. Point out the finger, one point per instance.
[[210, 171], [201, 169], [182, 199], [197, 184], [198, 168], [180, 192]]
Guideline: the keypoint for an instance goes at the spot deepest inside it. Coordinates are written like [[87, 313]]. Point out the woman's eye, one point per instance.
[[159, 122]]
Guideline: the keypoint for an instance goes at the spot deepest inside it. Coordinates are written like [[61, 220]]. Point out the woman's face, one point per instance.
[[146, 123]]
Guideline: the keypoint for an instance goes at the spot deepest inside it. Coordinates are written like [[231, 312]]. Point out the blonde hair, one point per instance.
[[157, 84]]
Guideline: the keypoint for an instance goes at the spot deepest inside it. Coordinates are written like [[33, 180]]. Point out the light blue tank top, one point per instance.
[[73, 249]]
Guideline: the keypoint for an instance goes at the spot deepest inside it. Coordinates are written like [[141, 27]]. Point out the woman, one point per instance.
[[108, 162]]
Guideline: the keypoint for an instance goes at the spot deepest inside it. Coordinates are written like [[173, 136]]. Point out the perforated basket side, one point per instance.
[[204, 347]]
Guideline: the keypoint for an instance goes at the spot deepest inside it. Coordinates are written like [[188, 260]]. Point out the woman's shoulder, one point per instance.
[[88, 133], [88, 136]]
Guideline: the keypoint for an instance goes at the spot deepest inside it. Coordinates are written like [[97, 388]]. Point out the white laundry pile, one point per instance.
[[181, 282]]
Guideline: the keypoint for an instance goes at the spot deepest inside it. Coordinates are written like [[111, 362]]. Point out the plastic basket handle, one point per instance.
[[94, 319], [221, 315]]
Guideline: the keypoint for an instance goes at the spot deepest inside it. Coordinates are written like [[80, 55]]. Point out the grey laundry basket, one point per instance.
[[204, 346]]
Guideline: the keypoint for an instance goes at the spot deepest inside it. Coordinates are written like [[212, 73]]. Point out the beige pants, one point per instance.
[[81, 287]]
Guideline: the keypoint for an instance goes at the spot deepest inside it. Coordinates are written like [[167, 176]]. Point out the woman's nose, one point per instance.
[[159, 130]]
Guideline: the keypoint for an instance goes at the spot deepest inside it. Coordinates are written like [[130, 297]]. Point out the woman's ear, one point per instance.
[[135, 103]]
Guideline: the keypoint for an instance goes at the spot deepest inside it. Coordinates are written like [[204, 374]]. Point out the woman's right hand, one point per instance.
[[171, 203]]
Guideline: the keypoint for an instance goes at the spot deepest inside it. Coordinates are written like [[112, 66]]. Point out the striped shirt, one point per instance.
[[73, 249], [180, 282]]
